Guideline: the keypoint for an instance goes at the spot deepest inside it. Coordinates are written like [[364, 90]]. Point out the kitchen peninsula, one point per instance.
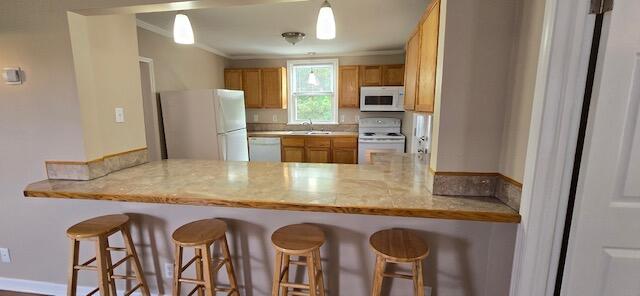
[[394, 185]]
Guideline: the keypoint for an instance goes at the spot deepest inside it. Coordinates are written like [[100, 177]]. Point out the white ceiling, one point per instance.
[[363, 26]]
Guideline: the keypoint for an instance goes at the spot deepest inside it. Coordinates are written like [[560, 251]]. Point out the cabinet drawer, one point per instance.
[[318, 142], [293, 141], [345, 142]]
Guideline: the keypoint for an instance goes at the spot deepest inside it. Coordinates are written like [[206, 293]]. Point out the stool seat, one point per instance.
[[97, 226], [399, 245], [201, 232], [297, 238]]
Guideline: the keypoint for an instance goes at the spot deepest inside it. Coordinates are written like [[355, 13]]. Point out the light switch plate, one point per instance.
[[12, 75], [5, 257], [342, 118], [119, 114], [168, 270]]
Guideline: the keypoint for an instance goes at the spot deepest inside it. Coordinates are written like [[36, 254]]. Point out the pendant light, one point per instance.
[[313, 79], [182, 31], [326, 25]]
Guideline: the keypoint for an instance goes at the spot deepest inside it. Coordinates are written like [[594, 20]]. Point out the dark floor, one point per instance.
[[9, 293]]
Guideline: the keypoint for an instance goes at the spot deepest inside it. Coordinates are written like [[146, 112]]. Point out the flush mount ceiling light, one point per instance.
[[182, 31], [326, 25], [293, 37]]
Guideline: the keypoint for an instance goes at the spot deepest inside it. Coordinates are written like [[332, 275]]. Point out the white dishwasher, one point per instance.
[[264, 149]]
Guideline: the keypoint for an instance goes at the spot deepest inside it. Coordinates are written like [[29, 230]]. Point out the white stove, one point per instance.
[[379, 135]]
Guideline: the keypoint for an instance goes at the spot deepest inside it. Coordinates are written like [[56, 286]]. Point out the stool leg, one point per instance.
[[316, 255], [311, 271], [209, 284], [229, 264], [378, 276], [285, 276], [73, 272], [177, 266], [418, 281], [112, 281], [275, 291], [101, 259], [137, 268], [199, 274]]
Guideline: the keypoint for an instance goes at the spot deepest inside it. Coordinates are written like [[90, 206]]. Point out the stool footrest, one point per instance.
[[299, 293], [117, 249], [298, 262], [191, 281], [123, 277], [294, 286], [398, 275], [93, 291], [83, 267], [115, 265], [132, 290]]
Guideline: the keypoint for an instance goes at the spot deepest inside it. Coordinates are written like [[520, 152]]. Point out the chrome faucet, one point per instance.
[[310, 124]]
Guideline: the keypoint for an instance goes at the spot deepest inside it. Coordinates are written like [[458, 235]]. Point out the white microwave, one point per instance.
[[381, 98]]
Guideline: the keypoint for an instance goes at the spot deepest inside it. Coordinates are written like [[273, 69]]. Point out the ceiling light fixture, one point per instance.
[[182, 31], [293, 37], [326, 25]]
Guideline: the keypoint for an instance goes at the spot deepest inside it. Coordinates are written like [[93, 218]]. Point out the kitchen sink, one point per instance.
[[309, 133]]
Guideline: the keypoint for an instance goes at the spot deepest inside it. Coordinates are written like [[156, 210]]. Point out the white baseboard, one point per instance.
[[46, 288]]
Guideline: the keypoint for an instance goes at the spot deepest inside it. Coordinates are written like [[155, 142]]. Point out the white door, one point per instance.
[[230, 113], [604, 247], [233, 146]]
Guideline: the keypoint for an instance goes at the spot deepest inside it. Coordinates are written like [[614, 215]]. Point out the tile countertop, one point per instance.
[[392, 186], [300, 133]]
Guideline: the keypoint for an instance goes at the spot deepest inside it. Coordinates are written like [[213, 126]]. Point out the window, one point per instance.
[[312, 91]]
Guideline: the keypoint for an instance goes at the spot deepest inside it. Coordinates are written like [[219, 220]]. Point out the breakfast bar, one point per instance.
[[394, 185]]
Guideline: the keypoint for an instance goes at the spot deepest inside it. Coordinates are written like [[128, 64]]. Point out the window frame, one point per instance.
[[290, 95]]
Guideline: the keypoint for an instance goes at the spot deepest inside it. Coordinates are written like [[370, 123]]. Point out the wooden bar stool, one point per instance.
[[398, 246], [201, 235], [302, 240], [99, 229]]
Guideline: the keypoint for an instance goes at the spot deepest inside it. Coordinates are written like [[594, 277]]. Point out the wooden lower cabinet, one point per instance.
[[293, 154], [345, 155], [318, 155], [320, 149]]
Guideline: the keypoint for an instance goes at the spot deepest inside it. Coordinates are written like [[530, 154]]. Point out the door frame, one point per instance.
[[158, 121], [559, 91]]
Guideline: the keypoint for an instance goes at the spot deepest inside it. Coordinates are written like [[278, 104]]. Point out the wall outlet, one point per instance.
[[168, 270], [427, 291], [275, 118], [357, 118], [256, 118], [342, 118], [119, 114], [5, 257]]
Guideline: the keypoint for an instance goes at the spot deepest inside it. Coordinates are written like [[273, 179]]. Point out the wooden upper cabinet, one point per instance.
[[251, 84], [393, 75], [428, 59], [371, 75], [233, 79], [274, 87], [349, 87], [412, 60]]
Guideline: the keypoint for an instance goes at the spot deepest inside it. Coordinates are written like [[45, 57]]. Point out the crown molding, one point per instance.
[[319, 55], [168, 34]]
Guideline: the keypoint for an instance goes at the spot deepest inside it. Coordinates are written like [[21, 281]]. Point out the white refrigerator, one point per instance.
[[205, 124]]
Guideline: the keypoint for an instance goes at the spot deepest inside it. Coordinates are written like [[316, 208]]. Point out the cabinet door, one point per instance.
[[371, 75], [251, 85], [393, 75], [428, 57], [318, 155], [345, 155], [274, 87], [349, 86], [233, 79], [292, 154], [412, 59]]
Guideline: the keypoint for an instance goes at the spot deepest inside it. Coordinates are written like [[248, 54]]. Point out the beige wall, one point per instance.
[[40, 120], [108, 76], [180, 67], [478, 40], [522, 82], [345, 115]]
